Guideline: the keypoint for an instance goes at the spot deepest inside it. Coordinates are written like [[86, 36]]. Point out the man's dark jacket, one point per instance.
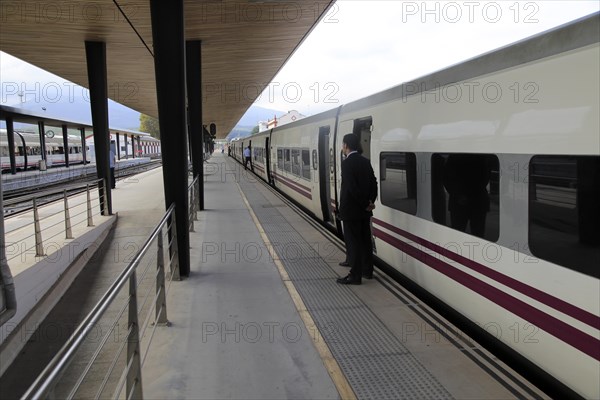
[[359, 186]]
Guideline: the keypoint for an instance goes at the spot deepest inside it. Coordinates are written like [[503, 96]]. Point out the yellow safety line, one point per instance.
[[333, 368]]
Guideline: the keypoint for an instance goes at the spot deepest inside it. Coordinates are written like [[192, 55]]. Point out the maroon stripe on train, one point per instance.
[[549, 300], [557, 328], [293, 182], [290, 184]]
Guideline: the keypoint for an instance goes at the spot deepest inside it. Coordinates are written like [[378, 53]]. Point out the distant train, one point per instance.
[[28, 151], [512, 136]]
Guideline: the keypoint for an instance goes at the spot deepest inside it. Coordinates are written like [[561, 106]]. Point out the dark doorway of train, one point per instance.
[[362, 128], [324, 173]]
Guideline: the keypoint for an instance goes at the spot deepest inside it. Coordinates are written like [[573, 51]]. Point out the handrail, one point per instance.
[[46, 381]]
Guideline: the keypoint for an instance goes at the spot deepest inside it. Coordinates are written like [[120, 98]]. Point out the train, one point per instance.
[[28, 151], [524, 119]]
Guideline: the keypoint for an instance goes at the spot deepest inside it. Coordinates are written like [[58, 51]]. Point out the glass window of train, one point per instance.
[[288, 163], [306, 164], [296, 162], [465, 193], [564, 211], [280, 159], [398, 176]]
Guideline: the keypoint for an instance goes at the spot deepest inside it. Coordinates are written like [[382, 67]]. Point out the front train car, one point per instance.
[[489, 177]]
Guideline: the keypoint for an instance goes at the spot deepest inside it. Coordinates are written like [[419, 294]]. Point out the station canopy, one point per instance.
[[244, 45]]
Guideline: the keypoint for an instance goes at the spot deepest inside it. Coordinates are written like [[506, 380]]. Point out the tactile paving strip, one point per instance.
[[375, 362]]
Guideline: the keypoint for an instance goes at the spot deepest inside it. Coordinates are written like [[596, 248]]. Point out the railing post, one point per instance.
[[161, 301], [196, 198], [134, 371], [39, 246], [174, 264], [68, 232], [191, 214], [89, 206], [105, 200]]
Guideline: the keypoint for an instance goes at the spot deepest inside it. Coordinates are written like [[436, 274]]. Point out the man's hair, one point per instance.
[[351, 140]]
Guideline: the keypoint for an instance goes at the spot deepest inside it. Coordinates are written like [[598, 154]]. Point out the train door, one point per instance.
[[267, 160], [362, 129], [325, 173]]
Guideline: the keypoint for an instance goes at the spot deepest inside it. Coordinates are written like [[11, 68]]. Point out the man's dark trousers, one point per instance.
[[359, 247]]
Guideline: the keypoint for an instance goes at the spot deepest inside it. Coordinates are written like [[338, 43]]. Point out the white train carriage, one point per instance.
[[295, 162], [513, 135], [28, 151]]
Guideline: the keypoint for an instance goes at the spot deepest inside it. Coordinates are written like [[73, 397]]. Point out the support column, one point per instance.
[[118, 145], [42, 133], [193, 60], [65, 135], [139, 146], [169, 63], [83, 145], [96, 67], [10, 136], [126, 147]]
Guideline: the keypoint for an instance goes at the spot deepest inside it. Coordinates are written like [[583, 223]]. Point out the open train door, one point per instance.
[[325, 174], [268, 160]]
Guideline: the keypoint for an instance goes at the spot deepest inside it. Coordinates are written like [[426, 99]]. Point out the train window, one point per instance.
[[398, 176], [306, 164], [464, 193], [287, 162], [280, 159], [296, 162], [564, 212]]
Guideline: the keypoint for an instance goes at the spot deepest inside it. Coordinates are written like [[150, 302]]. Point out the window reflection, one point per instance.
[[465, 193], [564, 211]]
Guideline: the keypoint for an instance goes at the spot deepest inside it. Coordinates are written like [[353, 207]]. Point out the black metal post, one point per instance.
[[83, 145], [139, 146], [10, 136], [118, 147], [65, 135], [126, 147], [42, 133], [169, 67], [96, 67], [193, 61]]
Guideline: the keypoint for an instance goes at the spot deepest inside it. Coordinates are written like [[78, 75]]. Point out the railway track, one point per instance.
[[21, 200]]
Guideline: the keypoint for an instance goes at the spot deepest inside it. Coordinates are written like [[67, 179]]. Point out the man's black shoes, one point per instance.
[[344, 264], [348, 280]]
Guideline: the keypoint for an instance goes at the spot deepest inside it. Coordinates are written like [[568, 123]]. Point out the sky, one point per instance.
[[363, 47]]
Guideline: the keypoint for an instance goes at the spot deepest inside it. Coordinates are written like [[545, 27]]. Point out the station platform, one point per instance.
[[262, 317], [36, 177]]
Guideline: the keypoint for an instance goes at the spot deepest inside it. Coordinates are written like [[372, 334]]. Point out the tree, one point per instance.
[[149, 125], [254, 130]]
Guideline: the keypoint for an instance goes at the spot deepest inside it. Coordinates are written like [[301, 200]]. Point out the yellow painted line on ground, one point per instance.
[[333, 368]]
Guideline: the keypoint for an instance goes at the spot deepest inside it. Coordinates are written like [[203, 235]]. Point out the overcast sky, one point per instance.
[[363, 47]]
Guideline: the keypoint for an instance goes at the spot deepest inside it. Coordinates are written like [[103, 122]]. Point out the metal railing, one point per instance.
[[193, 204], [96, 367], [70, 374], [46, 230]]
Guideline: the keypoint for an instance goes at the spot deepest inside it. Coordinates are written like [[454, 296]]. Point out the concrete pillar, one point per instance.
[[96, 67], [169, 63]]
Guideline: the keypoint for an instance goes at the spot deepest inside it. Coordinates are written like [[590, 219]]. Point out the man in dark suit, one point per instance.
[[357, 198]]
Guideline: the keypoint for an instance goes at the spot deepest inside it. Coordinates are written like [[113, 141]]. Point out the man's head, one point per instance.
[[350, 143]]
